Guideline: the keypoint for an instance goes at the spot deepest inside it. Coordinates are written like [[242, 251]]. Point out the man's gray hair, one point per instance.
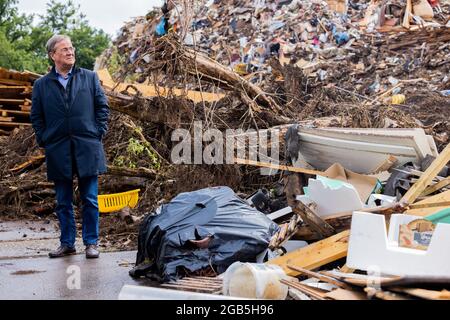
[[53, 41]]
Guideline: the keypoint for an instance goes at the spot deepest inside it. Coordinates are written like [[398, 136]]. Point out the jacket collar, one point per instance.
[[54, 75]]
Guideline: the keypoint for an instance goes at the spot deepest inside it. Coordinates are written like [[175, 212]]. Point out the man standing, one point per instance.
[[70, 117]]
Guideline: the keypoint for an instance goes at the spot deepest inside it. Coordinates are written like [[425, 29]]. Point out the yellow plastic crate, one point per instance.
[[118, 201]]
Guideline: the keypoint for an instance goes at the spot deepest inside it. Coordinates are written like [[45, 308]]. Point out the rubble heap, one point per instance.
[[292, 51]]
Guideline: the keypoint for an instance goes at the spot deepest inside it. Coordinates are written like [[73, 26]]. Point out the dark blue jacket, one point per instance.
[[70, 123]]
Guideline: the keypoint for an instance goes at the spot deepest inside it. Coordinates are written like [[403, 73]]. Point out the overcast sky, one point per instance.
[[108, 15]]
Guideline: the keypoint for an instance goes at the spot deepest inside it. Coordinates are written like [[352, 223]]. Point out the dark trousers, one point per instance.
[[88, 188]]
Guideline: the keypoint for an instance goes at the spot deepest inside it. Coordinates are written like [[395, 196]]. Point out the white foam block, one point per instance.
[[331, 201], [371, 248]]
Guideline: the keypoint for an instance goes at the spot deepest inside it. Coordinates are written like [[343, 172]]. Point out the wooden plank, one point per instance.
[[15, 82], [14, 75], [343, 294], [358, 279], [32, 75], [315, 255], [6, 119], [425, 294], [443, 197], [407, 15], [386, 165], [416, 190], [209, 279], [212, 281], [12, 101], [436, 187], [317, 294], [197, 285], [346, 269], [320, 277], [11, 92], [14, 124], [278, 167], [429, 205], [14, 112], [385, 295]]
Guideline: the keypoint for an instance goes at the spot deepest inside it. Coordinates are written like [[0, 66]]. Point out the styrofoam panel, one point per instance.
[[370, 248]]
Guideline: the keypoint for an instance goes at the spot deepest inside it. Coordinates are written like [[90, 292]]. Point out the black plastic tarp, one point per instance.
[[234, 232]]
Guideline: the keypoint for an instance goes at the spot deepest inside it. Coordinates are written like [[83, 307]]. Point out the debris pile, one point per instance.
[[379, 78]]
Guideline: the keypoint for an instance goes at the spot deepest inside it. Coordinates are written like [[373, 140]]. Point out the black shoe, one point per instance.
[[62, 251], [92, 252]]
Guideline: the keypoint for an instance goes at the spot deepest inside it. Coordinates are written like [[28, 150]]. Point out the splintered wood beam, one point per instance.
[[416, 190], [313, 220], [315, 255]]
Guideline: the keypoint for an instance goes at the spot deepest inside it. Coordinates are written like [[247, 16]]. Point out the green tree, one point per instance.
[[22, 44], [67, 18], [14, 25], [14, 29]]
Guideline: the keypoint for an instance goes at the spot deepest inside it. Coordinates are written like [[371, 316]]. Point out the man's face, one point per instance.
[[64, 54]]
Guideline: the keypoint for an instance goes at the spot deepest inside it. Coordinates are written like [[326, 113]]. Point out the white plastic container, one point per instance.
[[255, 281]]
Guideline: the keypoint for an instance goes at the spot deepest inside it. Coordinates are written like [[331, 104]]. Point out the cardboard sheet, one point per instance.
[[365, 185]]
